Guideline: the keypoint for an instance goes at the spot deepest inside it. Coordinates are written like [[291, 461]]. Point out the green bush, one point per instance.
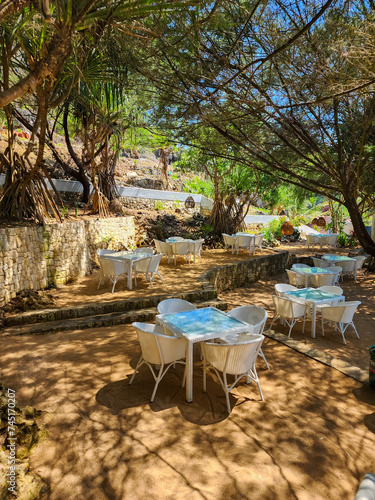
[[159, 205]]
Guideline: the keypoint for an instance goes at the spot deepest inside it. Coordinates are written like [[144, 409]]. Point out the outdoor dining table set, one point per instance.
[[243, 240], [230, 343], [176, 246], [322, 239], [115, 265]]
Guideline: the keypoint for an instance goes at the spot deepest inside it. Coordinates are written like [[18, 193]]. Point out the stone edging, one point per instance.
[[338, 364]]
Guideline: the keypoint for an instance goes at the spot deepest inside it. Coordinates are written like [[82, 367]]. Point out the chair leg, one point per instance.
[[264, 358], [355, 329], [140, 362]]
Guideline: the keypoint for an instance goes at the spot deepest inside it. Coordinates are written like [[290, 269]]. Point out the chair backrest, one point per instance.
[[359, 261], [156, 347], [244, 241], [158, 246], [142, 265], [332, 240], [180, 248], [154, 263], [229, 240], [335, 269], [310, 239], [197, 245], [258, 240], [347, 266], [331, 289], [253, 315], [104, 251], [324, 279], [169, 306], [144, 250], [295, 278], [283, 306], [287, 308], [165, 248], [284, 287], [112, 267], [341, 313], [234, 359], [320, 263], [299, 266]]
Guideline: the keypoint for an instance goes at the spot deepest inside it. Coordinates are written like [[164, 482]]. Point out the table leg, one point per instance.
[[313, 320], [130, 275], [189, 371]]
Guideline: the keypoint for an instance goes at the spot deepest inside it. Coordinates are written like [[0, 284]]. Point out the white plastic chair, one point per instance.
[[169, 306], [289, 311], [149, 267], [230, 241], [164, 248], [100, 253], [360, 260], [337, 270], [232, 359], [284, 287], [245, 242], [311, 241], [319, 280], [348, 268], [340, 315], [181, 248], [158, 349], [296, 279], [254, 316], [196, 248], [329, 289], [144, 250], [112, 269], [320, 263], [299, 266], [332, 240], [258, 242]]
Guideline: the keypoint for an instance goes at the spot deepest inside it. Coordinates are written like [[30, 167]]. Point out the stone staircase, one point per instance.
[[98, 314]]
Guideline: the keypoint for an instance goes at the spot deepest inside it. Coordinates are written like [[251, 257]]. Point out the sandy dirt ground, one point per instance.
[[312, 438]]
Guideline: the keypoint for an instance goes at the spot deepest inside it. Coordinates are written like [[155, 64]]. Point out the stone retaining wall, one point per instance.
[[170, 206], [34, 257], [245, 272]]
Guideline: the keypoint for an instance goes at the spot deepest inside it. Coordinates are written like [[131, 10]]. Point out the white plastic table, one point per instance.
[[313, 297], [129, 257], [321, 237], [311, 271], [196, 326], [331, 257]]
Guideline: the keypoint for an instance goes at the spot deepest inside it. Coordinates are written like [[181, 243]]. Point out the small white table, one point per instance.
[[196, 326], [313, 297], [129, 257], [311, 271], [332, 258]]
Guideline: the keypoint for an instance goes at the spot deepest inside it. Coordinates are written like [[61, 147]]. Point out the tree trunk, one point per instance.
[[358, 225]]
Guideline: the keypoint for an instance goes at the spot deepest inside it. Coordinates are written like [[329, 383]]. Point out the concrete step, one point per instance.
[[99, 308], [95, 321]]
